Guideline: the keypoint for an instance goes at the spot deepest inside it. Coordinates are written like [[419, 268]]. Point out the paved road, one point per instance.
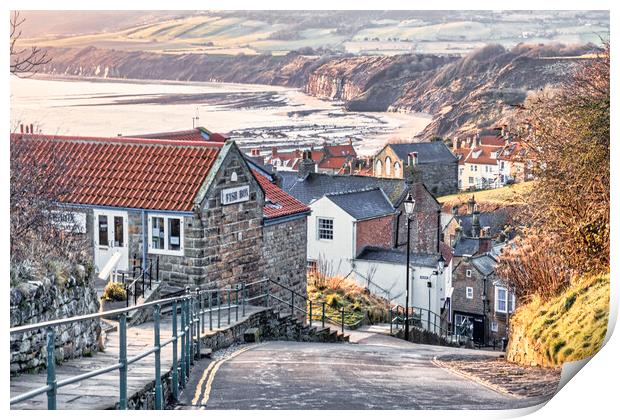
[[378, 372]]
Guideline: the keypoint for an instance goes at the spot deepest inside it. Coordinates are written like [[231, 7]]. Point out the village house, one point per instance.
[[358, 229], [515, 163], [438, 166], [186, 200], [329, 159]]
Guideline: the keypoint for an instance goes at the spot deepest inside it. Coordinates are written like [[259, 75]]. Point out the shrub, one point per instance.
[[114, 292], [332, 300]]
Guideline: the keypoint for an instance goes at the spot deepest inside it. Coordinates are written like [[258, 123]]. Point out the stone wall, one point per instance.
[[49, 299], [285, 251]]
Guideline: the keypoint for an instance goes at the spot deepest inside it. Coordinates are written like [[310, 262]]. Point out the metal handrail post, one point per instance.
[[199, 314], [135, 292], [126, 297], [51, 370], [292, 302], [243, 298], [150, 274], [219, 308], [157, 269], [323, 316], [175, 337], [210, 311], [342, 319], [310, 315], [228, 305], [183, 343], [122, 359], [192, 327], [202, 310], [391, 318], [188, 337], [268, 283], [237, 302], [158, 392]]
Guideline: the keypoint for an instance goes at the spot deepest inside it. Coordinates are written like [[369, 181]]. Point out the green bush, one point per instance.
[[332, 300], [114, 292]]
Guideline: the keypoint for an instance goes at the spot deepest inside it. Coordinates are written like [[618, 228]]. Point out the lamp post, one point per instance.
[[409, 206]]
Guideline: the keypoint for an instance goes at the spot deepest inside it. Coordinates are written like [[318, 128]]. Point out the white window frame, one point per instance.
[[469, 292], [494, 326], [165, 250], [318, 228], [510, 300], [467, 273]]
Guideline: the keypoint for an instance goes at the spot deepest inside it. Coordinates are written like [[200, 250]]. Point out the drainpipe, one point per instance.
[[144, 239]]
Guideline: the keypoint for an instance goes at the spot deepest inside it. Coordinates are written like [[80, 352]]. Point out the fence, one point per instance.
[[194, 311]]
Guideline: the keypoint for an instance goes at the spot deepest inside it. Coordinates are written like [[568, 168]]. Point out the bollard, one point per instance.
[[310, 316], [122, 359], [158, 393], [210, 311], [323, 316], [175, 373], [51, 370], [391, 318]]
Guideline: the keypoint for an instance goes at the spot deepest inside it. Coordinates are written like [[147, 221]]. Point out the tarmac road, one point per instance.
[[378, 372]]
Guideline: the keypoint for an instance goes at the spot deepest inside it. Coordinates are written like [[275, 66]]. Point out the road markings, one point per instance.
[[209, 376]]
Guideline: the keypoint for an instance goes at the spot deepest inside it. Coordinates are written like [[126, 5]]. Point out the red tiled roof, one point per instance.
[[484, 157], [461, 154], [195, 134], [278, 203], [333, 162], [341, 150], [492, 140], [127, 172]]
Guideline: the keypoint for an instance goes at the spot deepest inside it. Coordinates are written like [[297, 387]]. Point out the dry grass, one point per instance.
[[510, 195], [337, 293], [571, 326]]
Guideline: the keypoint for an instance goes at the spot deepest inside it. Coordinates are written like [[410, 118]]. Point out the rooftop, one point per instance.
[[485, 264], [195, 134], [277, 202], [362, 205], [371, 253], [428, 152], [141, 173]]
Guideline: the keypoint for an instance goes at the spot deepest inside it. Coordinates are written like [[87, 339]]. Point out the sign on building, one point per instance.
[[69, 221], [235, 195]]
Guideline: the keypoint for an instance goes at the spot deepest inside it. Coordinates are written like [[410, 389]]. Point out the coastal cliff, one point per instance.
[[462, 93]]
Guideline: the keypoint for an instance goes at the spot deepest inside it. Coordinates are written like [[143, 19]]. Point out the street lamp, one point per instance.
[[409, 206]]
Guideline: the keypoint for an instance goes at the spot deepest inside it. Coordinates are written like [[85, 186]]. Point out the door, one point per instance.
[[478, 329], [110, 236]]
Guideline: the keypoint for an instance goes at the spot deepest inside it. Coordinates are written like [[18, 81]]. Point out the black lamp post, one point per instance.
[[409, 206]]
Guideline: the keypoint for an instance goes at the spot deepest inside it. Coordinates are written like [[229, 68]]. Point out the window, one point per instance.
[[469, 292], [103, 230], [397, 173], [378, 168], [504, 300], [325, 228], [494, 327], [388, 166], [165, 234], [468, 273], [311, 267], [118, 231], [471, 180]]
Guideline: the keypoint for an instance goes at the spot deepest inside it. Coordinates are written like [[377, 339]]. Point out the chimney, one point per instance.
[[306, 166], [31, 128], [412, 159], [457, 144], [350, 141], [471, 205], [274, 151], [475, 223], [414, 175], [458, 232], [21, 128], [477, 140]]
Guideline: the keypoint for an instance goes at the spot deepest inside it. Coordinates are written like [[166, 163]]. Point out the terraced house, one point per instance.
[[187, 199]]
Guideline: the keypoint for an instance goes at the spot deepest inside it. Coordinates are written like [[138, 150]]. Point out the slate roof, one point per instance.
[[316, 185], [485, 264], [363, 205], [196, 134], [471, 246], [136, 173], [495, 220], [278, 203], [428, 152], [371, 253]]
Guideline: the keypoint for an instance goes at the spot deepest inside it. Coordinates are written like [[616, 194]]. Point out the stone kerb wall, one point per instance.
[[49, 299]]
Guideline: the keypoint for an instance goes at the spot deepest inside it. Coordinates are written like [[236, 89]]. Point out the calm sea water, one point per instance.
[[254, 115]]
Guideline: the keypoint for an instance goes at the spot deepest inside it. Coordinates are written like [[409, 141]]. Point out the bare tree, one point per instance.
[[25, 62]]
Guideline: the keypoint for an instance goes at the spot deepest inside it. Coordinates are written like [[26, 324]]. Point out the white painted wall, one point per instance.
[[389, 280], [339, 251]]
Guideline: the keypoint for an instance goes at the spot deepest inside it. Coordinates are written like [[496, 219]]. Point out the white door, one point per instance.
[[110, 236]]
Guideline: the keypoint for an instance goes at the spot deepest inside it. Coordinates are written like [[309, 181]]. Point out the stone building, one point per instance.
[[190, 203], [437, 165]]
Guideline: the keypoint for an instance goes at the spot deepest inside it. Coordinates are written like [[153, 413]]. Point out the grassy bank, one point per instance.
[[338, 293], [571, 326], [509, 195]]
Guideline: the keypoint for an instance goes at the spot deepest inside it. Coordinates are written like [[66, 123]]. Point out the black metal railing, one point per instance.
[[418, 317]]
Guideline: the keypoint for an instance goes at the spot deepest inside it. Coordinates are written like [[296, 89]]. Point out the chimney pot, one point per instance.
[[21, 128], [31, 128], [274, 151]]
